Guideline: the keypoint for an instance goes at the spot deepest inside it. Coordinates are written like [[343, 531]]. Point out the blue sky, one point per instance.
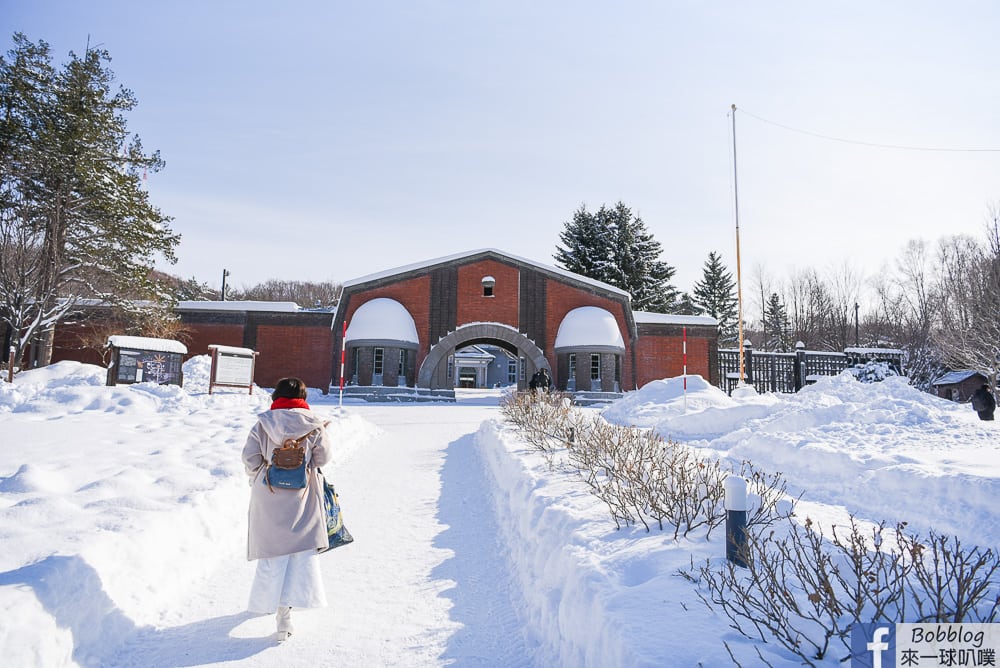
[[330, 140]]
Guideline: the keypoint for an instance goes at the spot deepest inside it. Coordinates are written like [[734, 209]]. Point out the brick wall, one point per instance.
[[501, 307], [659, 353], [288, 350], [200, 336]]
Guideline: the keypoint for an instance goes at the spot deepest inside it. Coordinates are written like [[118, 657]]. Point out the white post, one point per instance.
[[736, 520], [685, 358]]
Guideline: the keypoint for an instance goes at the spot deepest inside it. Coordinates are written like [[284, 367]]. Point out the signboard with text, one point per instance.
[[231, 367]]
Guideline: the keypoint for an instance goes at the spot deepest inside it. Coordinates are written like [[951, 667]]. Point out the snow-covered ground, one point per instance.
[[122, 523]]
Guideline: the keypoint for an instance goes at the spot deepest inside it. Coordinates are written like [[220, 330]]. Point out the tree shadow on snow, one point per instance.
[[485, 590], [71, 591]]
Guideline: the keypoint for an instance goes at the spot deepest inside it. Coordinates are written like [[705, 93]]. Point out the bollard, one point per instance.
[[736, 520], [10, 365]]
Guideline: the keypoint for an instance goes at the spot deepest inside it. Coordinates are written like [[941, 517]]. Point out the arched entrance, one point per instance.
[[434, 373]]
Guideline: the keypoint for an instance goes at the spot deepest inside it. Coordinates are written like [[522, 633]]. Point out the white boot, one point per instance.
[[284, 618]]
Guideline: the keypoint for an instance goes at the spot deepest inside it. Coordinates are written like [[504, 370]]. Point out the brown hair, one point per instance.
[[290, 388]]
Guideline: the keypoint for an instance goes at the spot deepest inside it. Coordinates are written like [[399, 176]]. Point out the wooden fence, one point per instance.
[[790, 372]]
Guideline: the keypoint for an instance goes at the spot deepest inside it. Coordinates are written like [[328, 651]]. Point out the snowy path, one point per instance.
[[425, 580]]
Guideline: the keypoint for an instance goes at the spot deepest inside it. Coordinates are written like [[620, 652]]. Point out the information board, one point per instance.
[[231, 367], [234, 369], [148, 366]]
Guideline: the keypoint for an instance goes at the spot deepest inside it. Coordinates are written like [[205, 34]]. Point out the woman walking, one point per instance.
[[286, 526]]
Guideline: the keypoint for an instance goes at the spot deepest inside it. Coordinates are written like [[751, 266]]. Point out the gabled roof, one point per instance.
[[955, 377], [479, 254]]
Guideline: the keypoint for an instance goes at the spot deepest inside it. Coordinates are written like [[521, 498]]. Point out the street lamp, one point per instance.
[[225, 273], [856, 328]]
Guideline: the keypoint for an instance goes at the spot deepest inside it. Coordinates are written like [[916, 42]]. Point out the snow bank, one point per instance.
[[884, 451], [111, 525], [595, 596]]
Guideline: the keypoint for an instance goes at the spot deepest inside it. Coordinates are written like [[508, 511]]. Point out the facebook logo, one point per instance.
[[873, 645]]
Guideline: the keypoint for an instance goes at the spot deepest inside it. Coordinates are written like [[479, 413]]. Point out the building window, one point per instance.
[[520, 373], [451, 368], [572, 365], [355, 357], [511, 371], [377, 361], [488, 284], [595, 366], [402, 362]]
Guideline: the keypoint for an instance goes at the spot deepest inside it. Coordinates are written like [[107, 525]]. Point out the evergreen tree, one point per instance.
[[715, 294], [777, 330], [686, 305], [74, 218], [614, 246], [588, 242]]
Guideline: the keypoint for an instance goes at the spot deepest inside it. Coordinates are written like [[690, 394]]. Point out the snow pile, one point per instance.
[[863, 446]]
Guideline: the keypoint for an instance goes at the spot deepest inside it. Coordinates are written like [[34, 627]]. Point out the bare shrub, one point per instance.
[[806, 591]]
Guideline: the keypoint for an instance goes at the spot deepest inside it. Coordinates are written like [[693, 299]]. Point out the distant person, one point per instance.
[[286, 526], [984, 403], [541, 380]]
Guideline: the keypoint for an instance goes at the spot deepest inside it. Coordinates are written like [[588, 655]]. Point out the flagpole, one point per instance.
[[739, 278]]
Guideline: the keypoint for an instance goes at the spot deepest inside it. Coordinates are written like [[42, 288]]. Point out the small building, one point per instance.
[[141, 359], [959, 385]]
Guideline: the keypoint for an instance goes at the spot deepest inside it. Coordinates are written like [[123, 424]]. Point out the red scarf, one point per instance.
[[284, 402]]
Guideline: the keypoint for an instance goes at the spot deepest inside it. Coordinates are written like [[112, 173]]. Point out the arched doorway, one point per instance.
[[434, 372]]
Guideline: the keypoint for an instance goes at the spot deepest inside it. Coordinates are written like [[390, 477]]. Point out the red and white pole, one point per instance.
[[343, 355], [684, 349]]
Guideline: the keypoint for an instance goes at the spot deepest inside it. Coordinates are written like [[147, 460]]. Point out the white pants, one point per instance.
[[291, 580]]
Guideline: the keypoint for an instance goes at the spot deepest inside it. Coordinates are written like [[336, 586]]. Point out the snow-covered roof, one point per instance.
[[473, 354], [382, 319], [147, 343], [229, 305], [458, 256], [589, 326], [230, 350], [954, 377], [873, 351], [642, 317]]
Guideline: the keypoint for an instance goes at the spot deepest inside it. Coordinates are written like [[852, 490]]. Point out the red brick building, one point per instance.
[[405, 325]]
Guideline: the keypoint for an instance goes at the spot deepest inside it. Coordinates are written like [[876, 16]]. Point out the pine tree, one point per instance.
[[615, 247], [777, 330], [588, 245], [73, 206], [715, 294], [685, 305]]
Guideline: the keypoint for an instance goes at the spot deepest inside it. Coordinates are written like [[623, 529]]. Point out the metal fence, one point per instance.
[[790, 372]]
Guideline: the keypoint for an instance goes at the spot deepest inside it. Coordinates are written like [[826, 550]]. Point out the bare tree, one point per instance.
[[845, 283], [303, 293], [969, 279]]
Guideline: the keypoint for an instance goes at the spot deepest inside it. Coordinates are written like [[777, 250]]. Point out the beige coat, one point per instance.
[[285, 521]]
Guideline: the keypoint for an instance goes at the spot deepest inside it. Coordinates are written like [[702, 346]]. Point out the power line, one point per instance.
[[868, 143]]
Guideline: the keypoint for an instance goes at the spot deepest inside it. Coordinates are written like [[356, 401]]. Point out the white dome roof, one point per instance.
[[382, 319], [589, 327]]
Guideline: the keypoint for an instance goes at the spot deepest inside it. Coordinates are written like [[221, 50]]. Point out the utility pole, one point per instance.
[[739, 278]]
